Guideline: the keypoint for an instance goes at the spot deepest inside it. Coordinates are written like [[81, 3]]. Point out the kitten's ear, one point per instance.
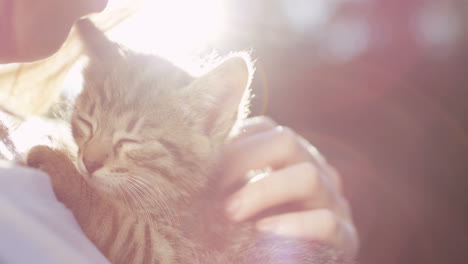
[[97, 45], [222, 96]]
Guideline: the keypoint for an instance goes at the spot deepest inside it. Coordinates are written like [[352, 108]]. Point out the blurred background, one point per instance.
[[379, 86]]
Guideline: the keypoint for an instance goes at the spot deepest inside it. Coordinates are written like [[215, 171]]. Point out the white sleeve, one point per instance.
[[34, 226]]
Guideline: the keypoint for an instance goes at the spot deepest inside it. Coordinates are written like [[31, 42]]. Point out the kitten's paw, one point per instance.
[[52, 161], [40, 157]]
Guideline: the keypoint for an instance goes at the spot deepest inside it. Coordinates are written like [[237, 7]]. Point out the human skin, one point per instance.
[[35, 29], [300, 176]]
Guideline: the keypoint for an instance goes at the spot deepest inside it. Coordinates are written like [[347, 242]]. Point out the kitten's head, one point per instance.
[[147, 128]]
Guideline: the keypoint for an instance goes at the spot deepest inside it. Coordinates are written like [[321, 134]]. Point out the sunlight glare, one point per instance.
[[173, 28]]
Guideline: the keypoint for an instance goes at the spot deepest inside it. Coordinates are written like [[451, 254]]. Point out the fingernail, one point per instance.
[[232, 207], [267, 225]]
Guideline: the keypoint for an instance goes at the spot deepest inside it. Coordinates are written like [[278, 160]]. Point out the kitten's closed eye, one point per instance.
[[85, 122], [121, 142], [82, 128]]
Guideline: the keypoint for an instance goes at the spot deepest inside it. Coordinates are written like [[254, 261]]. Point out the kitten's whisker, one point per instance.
[[130, 196], [161, 195], [153, 202], [158, 199], [139, 202], [169, 208], [137, 192], [137, 199], [122, 190]]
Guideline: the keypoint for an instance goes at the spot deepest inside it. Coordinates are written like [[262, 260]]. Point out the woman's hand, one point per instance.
[[299, 176]]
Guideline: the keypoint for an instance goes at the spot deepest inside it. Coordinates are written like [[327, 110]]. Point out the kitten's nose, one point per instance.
[[92, 166]]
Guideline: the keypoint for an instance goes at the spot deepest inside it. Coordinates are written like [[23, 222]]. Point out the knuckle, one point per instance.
[[343, 205], [259, 121], [288, 137], [267, 121], [308, 168], [335, 176], [330, 223]]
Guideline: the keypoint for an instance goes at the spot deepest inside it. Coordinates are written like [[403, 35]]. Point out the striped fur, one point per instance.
[[148, 134]]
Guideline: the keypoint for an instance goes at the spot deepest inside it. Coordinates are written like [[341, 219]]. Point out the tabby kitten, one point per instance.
[[148, 134]]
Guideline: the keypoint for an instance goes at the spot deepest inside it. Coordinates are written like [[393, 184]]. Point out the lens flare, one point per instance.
[[173, 28]]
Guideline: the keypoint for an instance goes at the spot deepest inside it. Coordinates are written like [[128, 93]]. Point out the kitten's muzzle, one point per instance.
[[92, 166]]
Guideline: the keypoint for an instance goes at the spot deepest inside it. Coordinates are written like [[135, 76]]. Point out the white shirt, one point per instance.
[[34, 226]]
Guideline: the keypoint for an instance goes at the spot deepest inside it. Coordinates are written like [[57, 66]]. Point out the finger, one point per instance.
[[322, 163], [321, 224], [276, 148], [305, 187], [255, 125]]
